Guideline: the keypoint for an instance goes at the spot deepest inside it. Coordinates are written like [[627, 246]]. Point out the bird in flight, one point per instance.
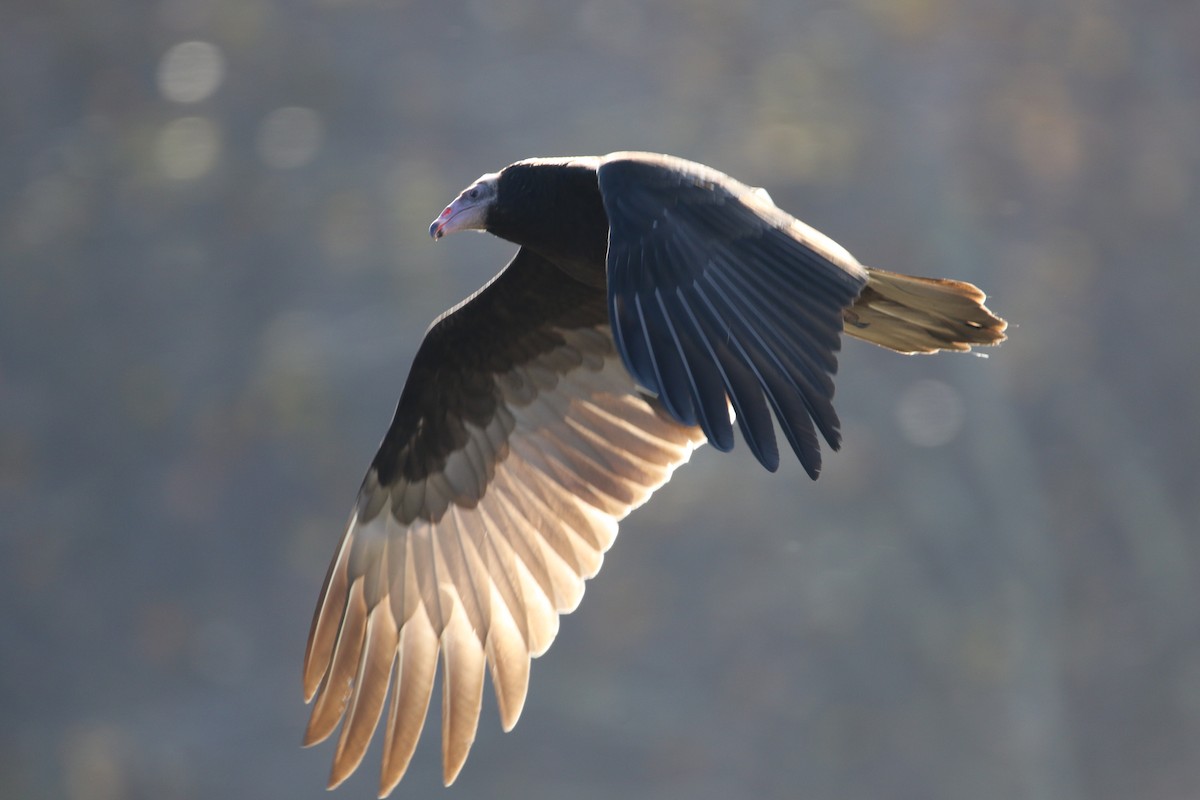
[[654, 304]]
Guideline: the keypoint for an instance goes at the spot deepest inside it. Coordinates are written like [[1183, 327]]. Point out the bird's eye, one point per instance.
[[473, 193]]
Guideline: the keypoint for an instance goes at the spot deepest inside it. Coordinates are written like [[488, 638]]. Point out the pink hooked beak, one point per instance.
[[467, 212]]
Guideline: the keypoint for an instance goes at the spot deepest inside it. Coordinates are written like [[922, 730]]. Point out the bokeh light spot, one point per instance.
[[930, 413], [188, 148], [290, 137], [190, 71], [95, 760]]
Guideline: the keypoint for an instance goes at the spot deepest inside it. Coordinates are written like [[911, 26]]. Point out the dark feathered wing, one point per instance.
[[518, 444], [716, 293]]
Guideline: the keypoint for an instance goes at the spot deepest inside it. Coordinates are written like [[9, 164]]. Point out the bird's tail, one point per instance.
[[921, 315]]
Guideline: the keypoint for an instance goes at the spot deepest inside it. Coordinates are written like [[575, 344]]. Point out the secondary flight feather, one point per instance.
[[650, 297]]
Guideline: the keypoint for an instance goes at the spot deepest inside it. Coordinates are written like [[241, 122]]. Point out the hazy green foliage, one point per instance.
[[214, 269]]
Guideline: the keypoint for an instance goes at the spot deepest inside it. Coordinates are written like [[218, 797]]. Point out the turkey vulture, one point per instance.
[[653, 304]]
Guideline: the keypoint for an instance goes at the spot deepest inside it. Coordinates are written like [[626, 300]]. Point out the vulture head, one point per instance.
[[468, 211], [553, 206]]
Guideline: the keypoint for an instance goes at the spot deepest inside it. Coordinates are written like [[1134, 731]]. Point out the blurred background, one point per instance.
[[215, 270]]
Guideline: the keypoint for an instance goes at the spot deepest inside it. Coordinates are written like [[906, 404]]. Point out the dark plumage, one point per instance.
[[650, 297]]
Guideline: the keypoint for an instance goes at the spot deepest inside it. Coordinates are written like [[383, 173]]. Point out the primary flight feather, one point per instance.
[[650, 298]]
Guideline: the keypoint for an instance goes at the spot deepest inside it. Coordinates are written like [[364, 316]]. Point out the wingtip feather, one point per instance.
[[370, 692], [509, 662], [462, 693], [327, 619], [418, 648]]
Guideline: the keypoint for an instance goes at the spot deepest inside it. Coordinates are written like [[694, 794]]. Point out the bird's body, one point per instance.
[[651, 297]]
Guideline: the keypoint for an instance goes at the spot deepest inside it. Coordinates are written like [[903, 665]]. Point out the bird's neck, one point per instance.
[[559, 215]]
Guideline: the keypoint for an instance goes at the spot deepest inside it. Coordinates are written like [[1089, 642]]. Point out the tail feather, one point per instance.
[[921, 315]]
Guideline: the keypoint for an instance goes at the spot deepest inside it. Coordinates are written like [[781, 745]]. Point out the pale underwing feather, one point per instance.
[[370, 692], [416, 664], [475, 561]]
